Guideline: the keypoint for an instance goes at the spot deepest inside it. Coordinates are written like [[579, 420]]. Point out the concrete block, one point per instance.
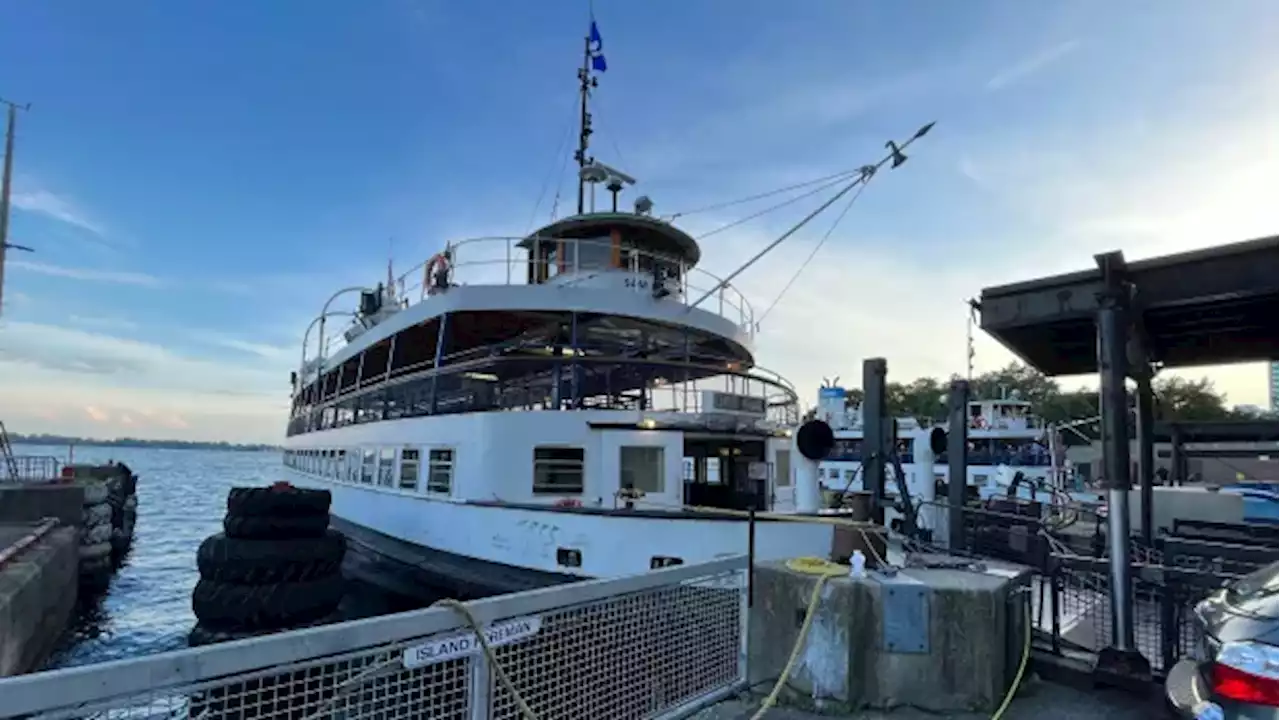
[[31, 503], [963, 661], [37, 598]]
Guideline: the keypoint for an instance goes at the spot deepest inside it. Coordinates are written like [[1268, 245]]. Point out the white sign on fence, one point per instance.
[[456, 645]]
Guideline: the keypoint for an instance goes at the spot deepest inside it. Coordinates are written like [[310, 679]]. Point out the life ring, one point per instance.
[[437, 264]]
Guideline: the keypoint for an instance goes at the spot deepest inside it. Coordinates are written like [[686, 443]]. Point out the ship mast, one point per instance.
[[592, 62], [586, 81]]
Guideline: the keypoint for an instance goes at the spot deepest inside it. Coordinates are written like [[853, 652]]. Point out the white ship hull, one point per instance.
[[471, 543]]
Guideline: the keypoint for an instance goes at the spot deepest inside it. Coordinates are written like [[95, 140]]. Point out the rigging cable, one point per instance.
[[771, 208], [812, 253], [546, 181], [865, 174], [834, 177]]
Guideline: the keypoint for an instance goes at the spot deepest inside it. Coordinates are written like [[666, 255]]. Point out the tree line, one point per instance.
[[1176, 399], [65, 440]]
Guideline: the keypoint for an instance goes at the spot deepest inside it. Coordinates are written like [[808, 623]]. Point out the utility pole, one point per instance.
[[6, 188]]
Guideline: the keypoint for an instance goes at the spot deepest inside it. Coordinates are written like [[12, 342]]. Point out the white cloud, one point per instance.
[[89, 274], [102, 323], [62, 380], [57, 207], [1028, 66]]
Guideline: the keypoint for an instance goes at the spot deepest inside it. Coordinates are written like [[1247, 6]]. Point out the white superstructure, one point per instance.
[[550, 406]]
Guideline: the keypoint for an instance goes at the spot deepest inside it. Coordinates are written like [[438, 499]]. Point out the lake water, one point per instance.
[[182, 498]]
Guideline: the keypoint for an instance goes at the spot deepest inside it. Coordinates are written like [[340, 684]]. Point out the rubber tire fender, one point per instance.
[[286, 501], [247, 527], [262, 562], [224, 606], [95, 493], [99, 514]]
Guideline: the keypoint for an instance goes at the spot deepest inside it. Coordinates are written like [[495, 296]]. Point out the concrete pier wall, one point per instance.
[[31, 503], [38, 588], [965, 639]]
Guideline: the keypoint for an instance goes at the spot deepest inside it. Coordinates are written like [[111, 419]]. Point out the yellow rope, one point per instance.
[[525, 711], [825, 570], [1022, 668]]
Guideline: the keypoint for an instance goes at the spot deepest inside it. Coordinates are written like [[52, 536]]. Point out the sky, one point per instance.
[[197, 178]]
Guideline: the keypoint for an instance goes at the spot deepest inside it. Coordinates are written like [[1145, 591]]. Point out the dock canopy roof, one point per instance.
[[640, 231], [1205, 307]]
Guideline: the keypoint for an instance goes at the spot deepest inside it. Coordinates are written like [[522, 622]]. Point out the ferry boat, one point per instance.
[[1005, 438], [583, 401]]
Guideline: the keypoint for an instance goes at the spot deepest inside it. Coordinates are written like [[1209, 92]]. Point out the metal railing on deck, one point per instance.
[[657, 645], [499, 261]]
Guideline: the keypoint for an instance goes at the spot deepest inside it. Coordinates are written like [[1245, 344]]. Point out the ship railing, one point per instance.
[[780, 403], [661, 644], [435, 391], [500, 261], [1022, 423]]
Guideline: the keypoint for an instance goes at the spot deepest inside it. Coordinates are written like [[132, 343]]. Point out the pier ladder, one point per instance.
[[10, 463]]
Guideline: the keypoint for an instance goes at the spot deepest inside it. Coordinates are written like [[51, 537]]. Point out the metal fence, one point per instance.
[[30, 468], [658, 645], [1072, 607]]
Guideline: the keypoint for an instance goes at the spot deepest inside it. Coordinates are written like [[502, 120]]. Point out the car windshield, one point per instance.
[[1257, 584]]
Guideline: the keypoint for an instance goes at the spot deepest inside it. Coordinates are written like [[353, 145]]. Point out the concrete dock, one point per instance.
[[934, 636], [39, 582], [59, 539], [1036, 701]]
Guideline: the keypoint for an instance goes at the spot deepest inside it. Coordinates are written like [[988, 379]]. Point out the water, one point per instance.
[[181, 501]]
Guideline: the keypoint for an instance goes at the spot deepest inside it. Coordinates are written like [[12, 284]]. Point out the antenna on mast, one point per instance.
[[592, 62], [5, 188]]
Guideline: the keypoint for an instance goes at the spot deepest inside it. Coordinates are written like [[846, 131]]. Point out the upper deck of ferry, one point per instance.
[[631, 263], [595, 310]]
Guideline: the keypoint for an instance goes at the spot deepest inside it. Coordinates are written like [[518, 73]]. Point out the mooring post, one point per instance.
[[875, 446], [1120, 659], [957, 461]]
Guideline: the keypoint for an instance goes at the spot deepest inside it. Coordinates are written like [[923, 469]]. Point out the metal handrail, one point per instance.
[[31, 468], [783, 399], [496, 268]]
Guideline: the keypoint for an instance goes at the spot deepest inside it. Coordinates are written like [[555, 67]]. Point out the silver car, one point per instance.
[[1234, 670]]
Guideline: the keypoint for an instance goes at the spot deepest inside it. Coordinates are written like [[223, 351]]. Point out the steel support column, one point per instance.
[[1145, 415], [957, 461], [1120, 659], [874, 444]]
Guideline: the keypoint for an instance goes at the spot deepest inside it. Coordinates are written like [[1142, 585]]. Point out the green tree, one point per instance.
[[925, 398], [1181, 399]]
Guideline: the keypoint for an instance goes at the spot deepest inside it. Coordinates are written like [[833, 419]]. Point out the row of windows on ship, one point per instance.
[[557, 470], [982, 451]]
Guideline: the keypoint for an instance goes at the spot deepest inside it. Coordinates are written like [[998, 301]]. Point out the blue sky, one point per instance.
[[197, 177]]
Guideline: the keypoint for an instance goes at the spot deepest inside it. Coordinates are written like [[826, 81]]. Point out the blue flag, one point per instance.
[[595, 49]]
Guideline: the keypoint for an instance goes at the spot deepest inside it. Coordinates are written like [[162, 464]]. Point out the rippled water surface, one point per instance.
[[181, 500]]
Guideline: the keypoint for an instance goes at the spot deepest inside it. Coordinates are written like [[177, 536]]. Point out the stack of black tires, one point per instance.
[[276, 565]]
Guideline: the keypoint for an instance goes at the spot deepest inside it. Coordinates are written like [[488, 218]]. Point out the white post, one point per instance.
[[808, 490], [921, 484]]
